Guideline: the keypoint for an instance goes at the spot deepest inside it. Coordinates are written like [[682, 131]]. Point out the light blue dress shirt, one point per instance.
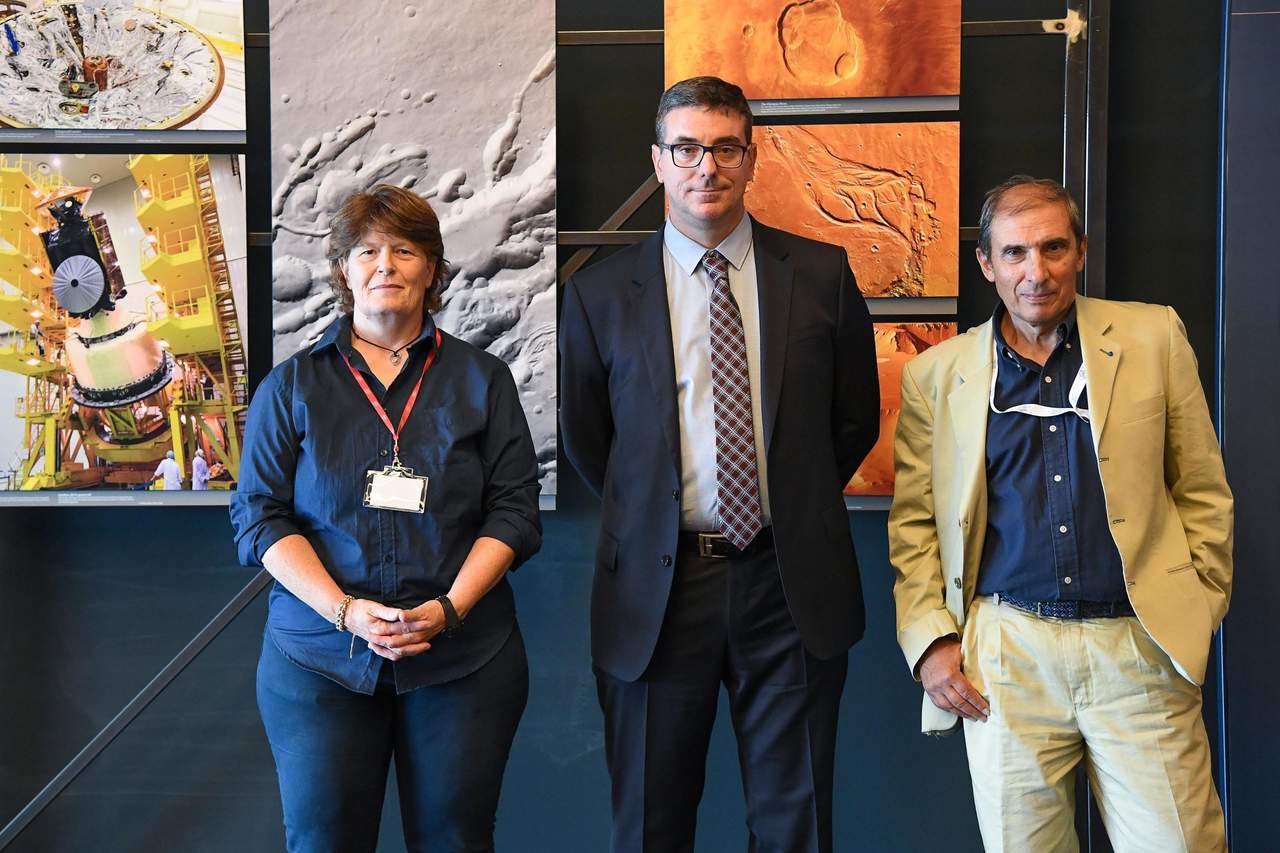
[[689, 302]]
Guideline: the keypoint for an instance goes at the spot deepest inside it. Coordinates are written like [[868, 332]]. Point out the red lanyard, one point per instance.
[[408, 407]]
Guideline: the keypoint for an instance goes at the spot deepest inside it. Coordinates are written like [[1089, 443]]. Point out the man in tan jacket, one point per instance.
[[1061, 533]]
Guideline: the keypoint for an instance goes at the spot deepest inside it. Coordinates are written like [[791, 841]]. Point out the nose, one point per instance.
[[708, 166], [1035, 270], [385, 259]]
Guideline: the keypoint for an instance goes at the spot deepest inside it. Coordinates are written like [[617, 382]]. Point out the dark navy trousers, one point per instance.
[[727, 623], [333, 748]]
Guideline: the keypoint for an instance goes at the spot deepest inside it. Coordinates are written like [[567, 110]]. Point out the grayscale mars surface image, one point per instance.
[[459, 107]]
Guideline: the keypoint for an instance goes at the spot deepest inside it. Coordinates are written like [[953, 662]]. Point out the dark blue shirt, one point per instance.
[[1047, 533], [310, 439]]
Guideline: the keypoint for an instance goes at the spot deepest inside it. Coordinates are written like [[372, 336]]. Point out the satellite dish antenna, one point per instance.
[[79, 285]]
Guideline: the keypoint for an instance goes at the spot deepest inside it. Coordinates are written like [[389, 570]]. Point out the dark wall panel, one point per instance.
[[1251, 320], [97, 600]]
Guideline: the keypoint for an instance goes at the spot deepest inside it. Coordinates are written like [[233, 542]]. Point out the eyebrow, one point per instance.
[[723, 140], [1006, 247]]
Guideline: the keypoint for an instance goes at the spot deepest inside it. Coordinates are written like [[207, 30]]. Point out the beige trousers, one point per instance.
[[1097, 690]]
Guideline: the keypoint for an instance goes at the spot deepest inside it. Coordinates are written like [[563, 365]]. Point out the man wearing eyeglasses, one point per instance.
[[718, 389]]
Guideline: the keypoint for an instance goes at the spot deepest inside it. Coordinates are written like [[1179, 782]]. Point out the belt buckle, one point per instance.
[[706, 545]]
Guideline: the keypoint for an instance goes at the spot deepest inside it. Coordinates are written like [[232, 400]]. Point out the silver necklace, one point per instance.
[[395, 353]]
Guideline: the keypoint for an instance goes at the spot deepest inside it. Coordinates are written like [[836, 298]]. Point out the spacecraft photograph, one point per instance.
[[122, 354], [123, 65]]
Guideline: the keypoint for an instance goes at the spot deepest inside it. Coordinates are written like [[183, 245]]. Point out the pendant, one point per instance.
[[395, 357]]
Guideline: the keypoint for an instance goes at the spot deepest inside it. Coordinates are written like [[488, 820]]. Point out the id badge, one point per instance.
[[396, 488]]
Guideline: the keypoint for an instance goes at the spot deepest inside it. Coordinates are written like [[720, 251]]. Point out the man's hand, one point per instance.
[[388, 631], [946, 684]]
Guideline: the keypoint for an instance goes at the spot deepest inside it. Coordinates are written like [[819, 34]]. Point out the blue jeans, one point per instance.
[[333, 747]]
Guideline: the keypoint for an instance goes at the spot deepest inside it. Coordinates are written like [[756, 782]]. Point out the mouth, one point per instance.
[[1038, 298]]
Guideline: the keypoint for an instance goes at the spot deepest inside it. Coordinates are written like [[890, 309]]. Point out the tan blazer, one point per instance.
[[1166, 491]]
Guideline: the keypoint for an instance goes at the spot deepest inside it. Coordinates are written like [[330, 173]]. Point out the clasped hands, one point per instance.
[[393, 633]]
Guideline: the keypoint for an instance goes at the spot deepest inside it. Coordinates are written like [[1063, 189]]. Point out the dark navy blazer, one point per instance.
[[619, 429]]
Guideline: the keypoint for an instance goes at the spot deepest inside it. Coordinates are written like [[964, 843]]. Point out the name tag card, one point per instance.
[[396, 488]]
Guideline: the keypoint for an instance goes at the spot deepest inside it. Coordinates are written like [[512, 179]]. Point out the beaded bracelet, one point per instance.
[[341, 622]]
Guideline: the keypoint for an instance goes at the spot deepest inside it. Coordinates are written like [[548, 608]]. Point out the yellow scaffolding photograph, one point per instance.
[[122, 351]]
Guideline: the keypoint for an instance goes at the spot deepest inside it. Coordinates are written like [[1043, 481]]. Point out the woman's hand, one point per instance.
[[390, 632]]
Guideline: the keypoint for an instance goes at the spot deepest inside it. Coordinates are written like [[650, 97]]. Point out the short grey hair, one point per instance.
[[709, 93], [1046, 190]]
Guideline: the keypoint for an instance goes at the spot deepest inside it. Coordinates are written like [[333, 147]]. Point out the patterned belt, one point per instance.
[[715, 545], [1070, 609]]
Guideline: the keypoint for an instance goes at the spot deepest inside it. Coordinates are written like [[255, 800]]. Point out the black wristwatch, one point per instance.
[[451, 621]]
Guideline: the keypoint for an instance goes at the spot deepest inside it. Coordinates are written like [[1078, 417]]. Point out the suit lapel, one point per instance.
[[653, 318], [970, 404], [775, 276], [1101, 353]]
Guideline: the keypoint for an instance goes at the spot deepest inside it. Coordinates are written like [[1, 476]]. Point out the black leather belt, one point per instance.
[[1070, 609], [715, 546]]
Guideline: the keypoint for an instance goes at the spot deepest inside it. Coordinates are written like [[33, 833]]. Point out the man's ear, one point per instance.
[[985, 263]]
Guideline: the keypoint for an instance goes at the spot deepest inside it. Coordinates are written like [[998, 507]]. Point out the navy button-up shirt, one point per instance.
[[310, 440], [1047, 533]]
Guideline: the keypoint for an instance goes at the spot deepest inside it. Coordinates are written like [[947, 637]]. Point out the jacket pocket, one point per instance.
[[607, 553], [1138, 410], [1182, 568]]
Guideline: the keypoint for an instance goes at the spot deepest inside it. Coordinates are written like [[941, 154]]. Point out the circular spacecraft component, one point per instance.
[[96, 65], [78, 284]]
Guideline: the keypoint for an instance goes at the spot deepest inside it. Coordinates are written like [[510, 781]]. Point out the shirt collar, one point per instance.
[[1066, 328], [338, 334], [688, 253]]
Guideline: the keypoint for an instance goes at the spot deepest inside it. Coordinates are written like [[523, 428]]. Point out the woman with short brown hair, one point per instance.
[[388, 483]]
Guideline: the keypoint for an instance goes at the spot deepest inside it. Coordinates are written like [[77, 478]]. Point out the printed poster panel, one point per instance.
[[896, 344], [888, 193], [455, 101], [122, 354]]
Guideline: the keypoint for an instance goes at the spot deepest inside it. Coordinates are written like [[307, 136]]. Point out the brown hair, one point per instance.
[[708, 93], [1044, 189], [392, 210]]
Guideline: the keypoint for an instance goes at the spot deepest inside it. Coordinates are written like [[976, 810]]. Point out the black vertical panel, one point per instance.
[[1250, 409], [1162, 182]]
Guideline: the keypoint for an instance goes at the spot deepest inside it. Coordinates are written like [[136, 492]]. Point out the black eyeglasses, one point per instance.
[[687, 155]]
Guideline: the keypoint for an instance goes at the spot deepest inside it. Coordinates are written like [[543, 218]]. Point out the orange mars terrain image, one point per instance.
[[817, 48], [888, 193], [896, 344]]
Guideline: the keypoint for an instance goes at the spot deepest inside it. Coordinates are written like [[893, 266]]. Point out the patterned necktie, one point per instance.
[[738, 486]]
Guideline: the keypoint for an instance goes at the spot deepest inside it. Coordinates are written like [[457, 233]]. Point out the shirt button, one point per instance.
[[666, 559], [1048, 379], [382, 452], [1066, 580], [957, 583], [1062, 528], [1057, 478], [675, 493], [1053, 427]]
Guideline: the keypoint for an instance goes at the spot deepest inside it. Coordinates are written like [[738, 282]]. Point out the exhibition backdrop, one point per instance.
[[99, 599]]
